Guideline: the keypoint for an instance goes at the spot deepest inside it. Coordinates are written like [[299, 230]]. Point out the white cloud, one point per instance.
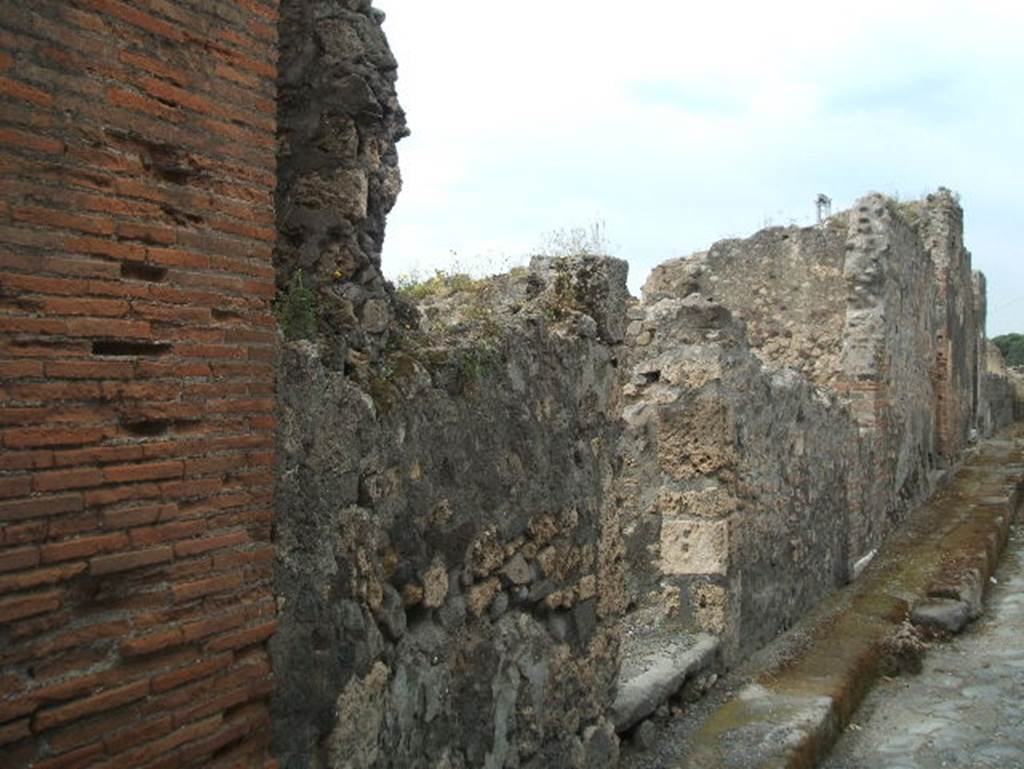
[[680, 123]]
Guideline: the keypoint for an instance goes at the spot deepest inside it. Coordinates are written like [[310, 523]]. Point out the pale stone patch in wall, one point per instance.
[[697, 439], [695, 546], [354, 741]]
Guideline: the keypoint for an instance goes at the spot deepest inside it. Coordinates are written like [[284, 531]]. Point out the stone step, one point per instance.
[[654, 666]]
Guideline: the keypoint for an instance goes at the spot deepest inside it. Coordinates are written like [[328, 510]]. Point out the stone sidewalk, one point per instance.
[[966, 709], [784, 707]]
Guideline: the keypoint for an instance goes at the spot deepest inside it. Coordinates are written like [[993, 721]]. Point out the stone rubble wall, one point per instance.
[[337, 166], [956, 365], [888, 355], [734, 478], [786, 284], [748, 490], [481, 489], [449, 564]]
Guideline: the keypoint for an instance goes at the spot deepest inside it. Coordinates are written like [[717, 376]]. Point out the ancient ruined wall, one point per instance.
[[136, 215], [957, 358], [999, 392], [787, 285], [338, 169], [888, 349], [447, 564], [734, 477], [749, 492]]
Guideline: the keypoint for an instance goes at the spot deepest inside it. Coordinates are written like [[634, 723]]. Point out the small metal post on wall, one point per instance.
[[824, 204]]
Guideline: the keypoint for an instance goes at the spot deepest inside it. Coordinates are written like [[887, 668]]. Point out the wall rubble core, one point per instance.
[[485, 494]]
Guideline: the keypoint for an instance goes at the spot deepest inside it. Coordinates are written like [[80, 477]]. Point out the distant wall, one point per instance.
[[136, 378], [787, 285], [752, 489], [956, 364], [888, 355], [733, 481]]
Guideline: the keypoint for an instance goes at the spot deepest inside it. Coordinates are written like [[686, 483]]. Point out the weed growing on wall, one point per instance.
[[296, 310], [589, 240]]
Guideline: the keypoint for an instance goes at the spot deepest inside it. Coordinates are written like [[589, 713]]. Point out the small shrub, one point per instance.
[[297, 310], [413, 288]]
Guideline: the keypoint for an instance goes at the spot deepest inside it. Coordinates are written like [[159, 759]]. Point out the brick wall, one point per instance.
[[136, 382]]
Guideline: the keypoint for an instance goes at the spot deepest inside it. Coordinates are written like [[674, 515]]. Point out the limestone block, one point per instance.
[[694, 546]]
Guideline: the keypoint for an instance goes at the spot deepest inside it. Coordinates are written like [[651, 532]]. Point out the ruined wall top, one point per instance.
[[339, 121]]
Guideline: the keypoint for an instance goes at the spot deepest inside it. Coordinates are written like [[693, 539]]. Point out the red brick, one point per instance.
[[22, 325], [198, 546], [111, 308], [13, 138], [57, 480], [243, 638], [35, 437], [56, 391], [203, 669], [21, 606], [154, 642], [190, 590], [121, 97], [124, 329], [12, 559], [14, 731], [138, 18], [76, 759], [62, 220], [25, 580], [40, 506], [154, 66], [15, 485], [25, 460], [132, 516], [167, 532], [90, 369], [124, 739], [143, 472], [108, 564], [82, 547], [16, 369], [185, 734], [101, 454], [107, 700], [114, 494], [218, 624], [20, 534]]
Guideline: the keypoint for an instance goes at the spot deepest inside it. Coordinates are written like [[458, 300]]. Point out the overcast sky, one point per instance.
[[681, 123]]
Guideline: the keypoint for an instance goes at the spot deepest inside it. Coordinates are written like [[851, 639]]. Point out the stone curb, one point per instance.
[[943, 557]]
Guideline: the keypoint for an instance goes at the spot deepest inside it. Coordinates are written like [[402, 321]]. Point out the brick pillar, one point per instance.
[[137, 143]]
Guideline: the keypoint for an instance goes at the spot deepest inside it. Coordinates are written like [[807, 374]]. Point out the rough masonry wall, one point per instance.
[[748, 492], [888, 349], [733, 483], [956, 363], [338, 171], [136, 214], [447, 566], [999, 392], [785, 283]]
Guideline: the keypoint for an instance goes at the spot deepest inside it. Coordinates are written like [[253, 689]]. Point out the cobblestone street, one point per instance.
[[966, 709]]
